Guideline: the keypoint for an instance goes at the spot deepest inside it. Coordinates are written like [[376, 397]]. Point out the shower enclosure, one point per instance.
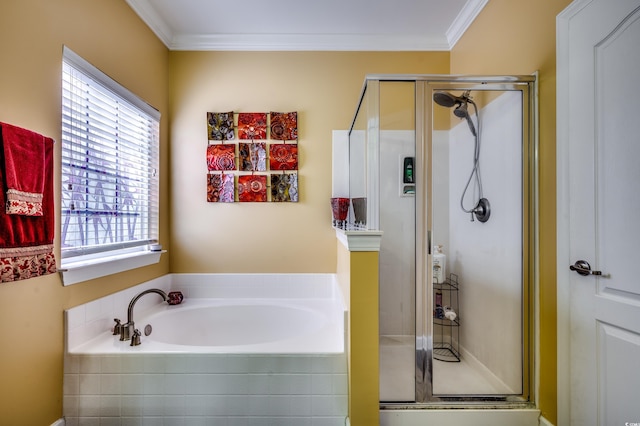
[[449, 162]]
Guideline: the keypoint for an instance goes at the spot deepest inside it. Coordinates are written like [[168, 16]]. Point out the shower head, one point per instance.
[[461, 111], [446, 99]]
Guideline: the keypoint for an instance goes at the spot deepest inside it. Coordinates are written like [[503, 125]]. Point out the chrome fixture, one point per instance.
[[117, 329], [448, 100], [582, 267], [129, 327], [135, 339], [482, 209]]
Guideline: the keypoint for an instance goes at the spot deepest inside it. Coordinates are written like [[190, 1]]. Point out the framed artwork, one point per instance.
[[252, 188], [220, 126], [252, 125]]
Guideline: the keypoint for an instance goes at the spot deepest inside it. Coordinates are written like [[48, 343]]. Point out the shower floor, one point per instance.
[[397, 374]]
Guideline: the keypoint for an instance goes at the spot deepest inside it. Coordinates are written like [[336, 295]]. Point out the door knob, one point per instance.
[[582, 267]]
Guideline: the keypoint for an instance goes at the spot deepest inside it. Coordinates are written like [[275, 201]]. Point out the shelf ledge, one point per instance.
[[360, 240]]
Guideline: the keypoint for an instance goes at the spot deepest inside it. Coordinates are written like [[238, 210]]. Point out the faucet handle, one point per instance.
[[135, 339], [117, 329]]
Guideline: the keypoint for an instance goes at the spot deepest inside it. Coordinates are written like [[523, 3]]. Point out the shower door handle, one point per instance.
[[582, 267]]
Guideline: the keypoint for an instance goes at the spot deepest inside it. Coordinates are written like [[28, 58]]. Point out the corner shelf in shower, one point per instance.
[[446, 333]]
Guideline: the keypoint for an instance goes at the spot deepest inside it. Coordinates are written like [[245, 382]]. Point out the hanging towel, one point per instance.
[[24, 170], [26, 242]]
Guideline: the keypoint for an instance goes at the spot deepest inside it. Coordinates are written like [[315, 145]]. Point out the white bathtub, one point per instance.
[[261, 348], [221, 313], [240, 325]]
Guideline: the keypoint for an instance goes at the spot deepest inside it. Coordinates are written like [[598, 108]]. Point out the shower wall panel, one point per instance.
[[397, 250], [487, 256]]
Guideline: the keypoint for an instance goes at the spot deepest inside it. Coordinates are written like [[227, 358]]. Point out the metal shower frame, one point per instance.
[[425, 86]]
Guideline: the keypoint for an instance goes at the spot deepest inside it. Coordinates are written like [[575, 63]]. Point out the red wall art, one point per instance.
[[252, 188], [283, 156], [221, 157], [253, 160], [252, 125], [284, 126]]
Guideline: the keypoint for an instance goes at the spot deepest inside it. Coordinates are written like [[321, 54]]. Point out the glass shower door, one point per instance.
[[480, 196]]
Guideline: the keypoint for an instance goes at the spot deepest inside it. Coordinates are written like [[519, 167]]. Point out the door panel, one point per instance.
[[618, 347], [599, 94], [618, 151]]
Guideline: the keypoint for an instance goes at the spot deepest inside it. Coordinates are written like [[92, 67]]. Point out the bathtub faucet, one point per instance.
[[129, 327]]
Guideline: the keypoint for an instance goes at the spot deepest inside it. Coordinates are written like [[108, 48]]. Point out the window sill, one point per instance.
[[84, 270]]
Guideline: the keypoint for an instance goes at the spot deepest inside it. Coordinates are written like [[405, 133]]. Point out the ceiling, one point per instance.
[[342, 25]]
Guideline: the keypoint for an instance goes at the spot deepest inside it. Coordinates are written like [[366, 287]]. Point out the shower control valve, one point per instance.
[[481, 211]]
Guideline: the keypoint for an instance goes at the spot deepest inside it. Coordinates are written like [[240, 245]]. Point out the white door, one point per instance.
[[599, 213]]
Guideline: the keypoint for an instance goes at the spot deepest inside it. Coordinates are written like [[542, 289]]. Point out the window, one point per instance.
[[110, 143]]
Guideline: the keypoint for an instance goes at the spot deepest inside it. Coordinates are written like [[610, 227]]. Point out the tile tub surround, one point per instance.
[[226, 390], [211, 389]]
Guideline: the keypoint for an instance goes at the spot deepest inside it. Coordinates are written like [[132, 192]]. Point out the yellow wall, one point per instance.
[[364, 358], [266, 237], [108, 34], [518, 37]]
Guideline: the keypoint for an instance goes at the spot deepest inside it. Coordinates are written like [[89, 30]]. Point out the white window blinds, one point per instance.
[[110, 143]]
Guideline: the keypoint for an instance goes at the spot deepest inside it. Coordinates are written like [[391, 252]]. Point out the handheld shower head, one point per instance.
[[461, 110], [448, 100]]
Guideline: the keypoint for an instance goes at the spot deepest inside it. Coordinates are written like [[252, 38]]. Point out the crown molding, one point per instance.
[[464, 19], [153, 20], [305, 42]]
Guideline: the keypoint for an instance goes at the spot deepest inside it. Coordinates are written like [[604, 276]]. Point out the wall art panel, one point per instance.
[[252, 188], [253, 156], [252, 125], [283, 156], [284, 126], [284, 187], [221, 157], [220, 126], [220, 188]]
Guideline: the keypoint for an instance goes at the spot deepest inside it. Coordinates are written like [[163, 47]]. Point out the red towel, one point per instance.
[[26, 242], [24, 170]]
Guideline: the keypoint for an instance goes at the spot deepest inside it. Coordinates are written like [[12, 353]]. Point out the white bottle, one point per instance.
[[439, 261]]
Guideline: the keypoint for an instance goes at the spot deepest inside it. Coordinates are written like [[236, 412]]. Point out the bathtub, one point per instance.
[[212, 325], [252, 348]]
